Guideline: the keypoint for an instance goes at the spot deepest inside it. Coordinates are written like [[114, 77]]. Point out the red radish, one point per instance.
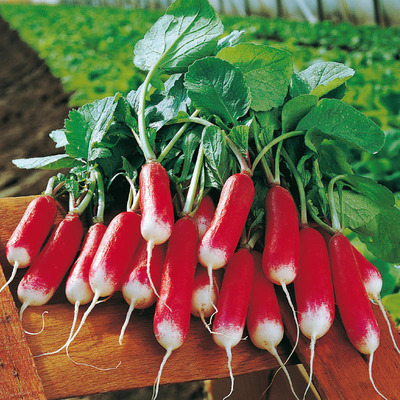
[[202, 305], [314, 290], [31, 232], [136, 287], [281, 253], [352, 300], [220, 240], [77, 287], [232, 304], [372, 281], [282, 243], [49, 267], [204, 214], [172, 314], [156, 207], [264, 321], [112, 259]]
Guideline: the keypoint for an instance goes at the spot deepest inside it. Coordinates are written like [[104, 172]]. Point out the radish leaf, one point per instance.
[[267, 72], [334, 119], [323, 77], [57, 161], [296, 109], [218, 88], [188, 30]]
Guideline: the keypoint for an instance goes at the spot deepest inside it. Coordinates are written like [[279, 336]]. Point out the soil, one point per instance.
[[32, 104]]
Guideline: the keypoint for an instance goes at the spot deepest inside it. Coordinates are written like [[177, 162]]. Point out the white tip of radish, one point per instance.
[[267, 335], [13, 273], [370, 341], [373, 286], [316, 321], [168, 334], [141, 295], [371, 358], [211, 257], [18, 255], [79, 290], [102, 281], [156, 231], [228, 337], [33, 294], [283, 274]]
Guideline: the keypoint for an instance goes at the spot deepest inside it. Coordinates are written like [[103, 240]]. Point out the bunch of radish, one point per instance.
[[230, 199]]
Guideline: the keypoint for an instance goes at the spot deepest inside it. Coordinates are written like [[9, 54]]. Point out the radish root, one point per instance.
[[371, 357], [21, 312], [382, 308], [13, 273], [229, 354], [124, 326], [157, 381], [312, 353]]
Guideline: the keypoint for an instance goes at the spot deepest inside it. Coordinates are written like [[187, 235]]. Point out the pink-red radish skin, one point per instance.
[[314, 290], [282, 242], [155, 203], [77, 287], [372, 281], [352, 300], [50, 266], [221, 238], [136, 287], [264, 321], [204, 214], [233, 301], [31, 232], [112, 259], [172, 314], [115, 253]]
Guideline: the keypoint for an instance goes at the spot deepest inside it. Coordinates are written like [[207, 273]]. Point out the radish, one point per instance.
[[264, 321], [314, 290], [282, 242], [220, 240], [372, 281], [156, 208], [31, 232], [352, 300], [202, 305], [232, 304], [112, 259], [172, 313], [136, 287], [204, 214], [281, 255], [48, 269]]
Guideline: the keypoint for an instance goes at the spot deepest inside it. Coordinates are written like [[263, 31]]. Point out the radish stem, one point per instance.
[[336, 225]]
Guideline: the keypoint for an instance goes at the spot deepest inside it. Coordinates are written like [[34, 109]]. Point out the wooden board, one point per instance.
[[340, 371]]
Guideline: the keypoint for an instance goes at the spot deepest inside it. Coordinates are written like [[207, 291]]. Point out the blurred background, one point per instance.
[[60, 54]]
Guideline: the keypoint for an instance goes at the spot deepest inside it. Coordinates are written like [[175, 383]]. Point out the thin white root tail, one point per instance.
[[150, 247], [76, 311], [211, 283], [312, 353], [284, 288], [13, 273], [125, 325], [21, 314], [371, 357], [229, 354], [274, 352], [156, 385], [382, 308]]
